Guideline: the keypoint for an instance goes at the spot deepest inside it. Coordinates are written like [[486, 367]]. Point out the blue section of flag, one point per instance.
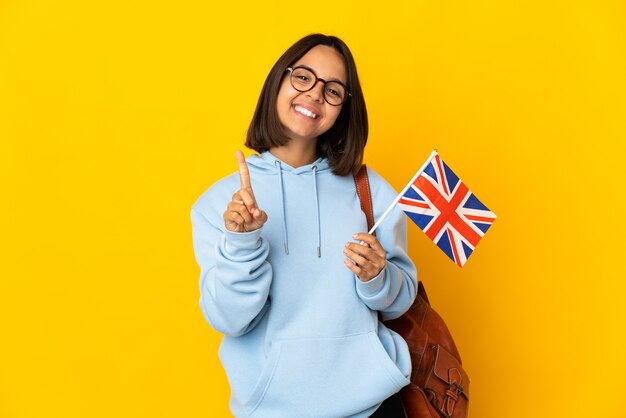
[[444, 244], [450, 176], [474, 203], [430, 171], [467, 249], [412, 194], [420, 220], [482, 226]]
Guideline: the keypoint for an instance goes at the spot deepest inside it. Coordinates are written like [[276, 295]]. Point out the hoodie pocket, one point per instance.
[[325, 377]]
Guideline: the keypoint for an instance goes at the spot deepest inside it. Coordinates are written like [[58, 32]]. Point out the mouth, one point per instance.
[[306, 112]]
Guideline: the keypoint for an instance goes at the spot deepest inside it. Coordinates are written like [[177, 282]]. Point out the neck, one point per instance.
[[296, 153]]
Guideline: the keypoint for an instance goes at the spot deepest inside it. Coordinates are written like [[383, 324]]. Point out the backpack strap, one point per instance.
[[365, 195]]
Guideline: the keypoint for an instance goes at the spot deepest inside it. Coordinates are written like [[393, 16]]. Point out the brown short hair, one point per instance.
[[344, 143]]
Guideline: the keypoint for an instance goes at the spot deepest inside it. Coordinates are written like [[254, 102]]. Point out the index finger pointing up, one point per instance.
[[244, 174]]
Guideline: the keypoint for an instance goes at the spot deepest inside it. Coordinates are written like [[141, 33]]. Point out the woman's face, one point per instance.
[[306, 115]]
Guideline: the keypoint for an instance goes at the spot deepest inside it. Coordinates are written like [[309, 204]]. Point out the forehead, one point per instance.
[[326, 62]]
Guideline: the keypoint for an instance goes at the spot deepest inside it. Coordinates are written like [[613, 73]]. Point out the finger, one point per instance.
[[242, 210], [355, 269], [233, 221], [260, 217], [360, 249], [367, 238], [233, 226], [244, 174], [375, 262], [248, 199], [372, 241], [360, 260], [246, 215]]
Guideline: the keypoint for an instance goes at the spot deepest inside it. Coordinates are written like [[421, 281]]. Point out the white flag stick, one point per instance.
[[432, 155]]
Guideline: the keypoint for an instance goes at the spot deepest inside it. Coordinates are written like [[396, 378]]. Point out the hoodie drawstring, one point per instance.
[[317, 209], [282, 205]]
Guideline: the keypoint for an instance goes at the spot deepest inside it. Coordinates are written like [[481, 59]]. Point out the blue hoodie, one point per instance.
[[302, 337]]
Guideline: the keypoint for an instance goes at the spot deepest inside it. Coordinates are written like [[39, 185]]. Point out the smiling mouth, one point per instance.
[[305, 112]]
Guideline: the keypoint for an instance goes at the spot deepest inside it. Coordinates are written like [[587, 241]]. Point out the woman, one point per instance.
[[296, 293]]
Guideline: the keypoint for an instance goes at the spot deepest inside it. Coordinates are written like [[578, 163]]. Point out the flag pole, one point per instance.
[[422, 168]]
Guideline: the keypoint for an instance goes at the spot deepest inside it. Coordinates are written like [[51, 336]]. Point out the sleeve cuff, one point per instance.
[[235, 242], [373, 286]]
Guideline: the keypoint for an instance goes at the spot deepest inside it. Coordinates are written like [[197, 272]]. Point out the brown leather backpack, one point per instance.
[[439, 386]]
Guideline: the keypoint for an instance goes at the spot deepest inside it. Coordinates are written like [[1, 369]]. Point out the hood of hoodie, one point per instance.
[[268, 163]]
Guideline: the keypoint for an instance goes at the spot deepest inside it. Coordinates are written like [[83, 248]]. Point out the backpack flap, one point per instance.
[[448, 384]]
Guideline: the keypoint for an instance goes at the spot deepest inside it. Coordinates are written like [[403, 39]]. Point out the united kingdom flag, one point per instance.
[[446, 210]]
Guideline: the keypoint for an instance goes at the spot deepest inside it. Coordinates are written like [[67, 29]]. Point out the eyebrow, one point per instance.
[[314, 72]]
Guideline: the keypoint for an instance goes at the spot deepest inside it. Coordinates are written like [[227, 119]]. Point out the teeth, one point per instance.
[[305, 112]]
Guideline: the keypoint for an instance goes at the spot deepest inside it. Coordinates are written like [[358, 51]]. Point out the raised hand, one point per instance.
[[242, 213], [366, 259]]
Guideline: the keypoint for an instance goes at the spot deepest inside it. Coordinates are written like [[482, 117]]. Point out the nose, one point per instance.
[[317, 93]]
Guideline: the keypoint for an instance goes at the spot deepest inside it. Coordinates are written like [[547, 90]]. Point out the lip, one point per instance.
[[311, 109]]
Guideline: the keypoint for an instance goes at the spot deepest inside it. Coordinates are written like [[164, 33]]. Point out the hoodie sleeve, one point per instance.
[[393, 291], [235, 275]]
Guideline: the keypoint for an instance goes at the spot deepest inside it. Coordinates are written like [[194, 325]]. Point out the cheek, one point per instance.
[[333, 114], [285, 92], [282, 104]]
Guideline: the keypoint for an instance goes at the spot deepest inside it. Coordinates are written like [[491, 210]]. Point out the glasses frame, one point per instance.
[[291, 70]]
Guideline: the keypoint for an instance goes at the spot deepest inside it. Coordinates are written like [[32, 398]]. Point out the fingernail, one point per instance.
[[354, 236]]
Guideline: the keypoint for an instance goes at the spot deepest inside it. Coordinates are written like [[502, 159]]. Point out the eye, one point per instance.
[[333, 92], [302, 76]]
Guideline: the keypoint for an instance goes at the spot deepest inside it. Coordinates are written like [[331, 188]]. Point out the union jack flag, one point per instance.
[[446, 210]]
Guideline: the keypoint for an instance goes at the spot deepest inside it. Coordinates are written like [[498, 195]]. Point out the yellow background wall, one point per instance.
[[115, 116]]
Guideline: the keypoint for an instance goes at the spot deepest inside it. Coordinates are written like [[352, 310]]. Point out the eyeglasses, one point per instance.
[[304, 79]]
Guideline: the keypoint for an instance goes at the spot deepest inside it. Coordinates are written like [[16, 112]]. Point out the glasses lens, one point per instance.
[[302, 79], [334, 93]]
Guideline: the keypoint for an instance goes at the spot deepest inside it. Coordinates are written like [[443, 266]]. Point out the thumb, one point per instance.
[[259, 216]]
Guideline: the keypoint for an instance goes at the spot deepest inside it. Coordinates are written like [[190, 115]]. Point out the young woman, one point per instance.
[[287, 273]]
